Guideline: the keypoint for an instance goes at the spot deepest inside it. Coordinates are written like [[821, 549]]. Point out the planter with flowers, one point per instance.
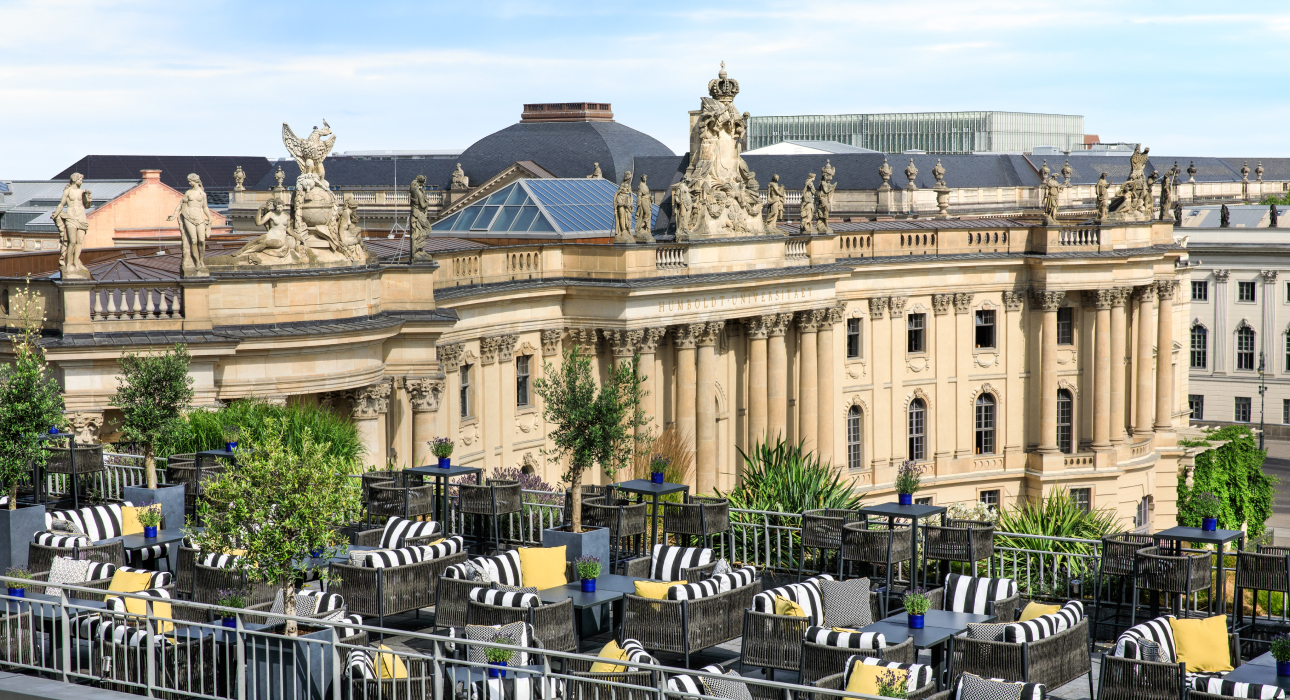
[[17, 587], [499, 658], [588, 567], [907, 482], [230, 598], [150, 519], [916, 605], [442, 448], [1208, 507]]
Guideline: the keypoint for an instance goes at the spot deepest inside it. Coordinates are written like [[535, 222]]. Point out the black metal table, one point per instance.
[[913, 513], [645, 487], [1261, 669], [589, 608], [1218, 538], [937, 635], [441, 477]]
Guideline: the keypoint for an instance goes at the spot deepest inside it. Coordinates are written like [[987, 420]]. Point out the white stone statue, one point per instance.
[[775, 199], [644, 212], [459, 179], [595, 171], [277, 241], [194, 227], [1052, 189], [808, 204], [623, 211], [309, 153], [419, 219], [1133, 199], [70, 218], [824, 197], [239, 177]]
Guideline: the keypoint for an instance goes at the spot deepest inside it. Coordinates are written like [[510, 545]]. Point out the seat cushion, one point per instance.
[[612, 652], [66, 570], [139, 606], [505, 599], [806, 594], [730, 686], [503, 568], [387, 558], [97, 522], [971, 594], [987, 631], [1034, 610], [219, 561], [693, 591], [918, 675], [1139, 641], [444, 548], [972, 687], [845, 638], [846, 603], [637, 656], [1218, 686], [397, 530], [737, 578], [542, 567], [655, 589], [1202, 644], [62, 541], [668, 562]]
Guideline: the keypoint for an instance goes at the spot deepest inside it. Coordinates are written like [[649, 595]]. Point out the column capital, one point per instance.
[[1146, 293], [779, 323], [686, 335], [85, 425], [962, 302], [498, 347], [1100, 299], [370, 401], [758, 326], [709, 332], [1269, 276], [551, 340], [941, 303], [425, 393], [1048, 300], [587, 338], [834, 314], [1221, 275], [449, 355], [897, 306], [1166, 288], [1120, 297], [1013, 299], [877, 307], [623, 343], [809, 321], [650, 339]]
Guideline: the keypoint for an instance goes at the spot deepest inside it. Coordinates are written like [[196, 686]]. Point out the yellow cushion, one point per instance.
[[655, 589], [784, 606], [130, 524], [542, 567], [864, 677], [130, 581], [610, 651], [1202, 644], [1034, 610], [391, 665]]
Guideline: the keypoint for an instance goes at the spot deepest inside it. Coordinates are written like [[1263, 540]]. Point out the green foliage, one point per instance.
[[917, 602], [1273, 199], [1281, 647], [150, 515], [1234, 473], [337, 436], [589, 425], [891, 685], [17, 572], [500, 656], [787, 478], [1057, 516], [279, 505], [908, 477], [30, 402], [153, 393], [588, 566]]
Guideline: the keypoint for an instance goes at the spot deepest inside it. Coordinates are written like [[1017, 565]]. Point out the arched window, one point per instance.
[[855, 447], [1064, 414], [1245, 348], [917, 430], [1199, 347], [985, 424]]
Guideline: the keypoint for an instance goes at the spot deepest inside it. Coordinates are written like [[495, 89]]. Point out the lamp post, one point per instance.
[[1263, 387]]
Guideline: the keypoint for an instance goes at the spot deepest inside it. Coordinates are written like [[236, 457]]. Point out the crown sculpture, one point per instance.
[[719, 195], [308, 226]]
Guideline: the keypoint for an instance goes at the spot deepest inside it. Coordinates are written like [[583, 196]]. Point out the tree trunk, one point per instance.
[[289, 607], [13, 496], [150, 465], [575, 495]]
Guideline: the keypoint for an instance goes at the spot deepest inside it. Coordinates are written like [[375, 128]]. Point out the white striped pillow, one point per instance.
[[805, 594], [685, 683], [398, 529], [669, 562], [637, 655], [973, 687], [97, 522], [973, 594], [1072, 612], [736, 579], [506, 599], [850, 639], [1233, 689], [360, 665], [1157, 631], [1034, 629], [53, 539], [919, 674], [503, 569], [693, 591], [446, 548], [100, 570], [387, 558], [219, 561]]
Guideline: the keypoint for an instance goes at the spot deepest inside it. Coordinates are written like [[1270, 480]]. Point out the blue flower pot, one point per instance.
[[915, 621], [656, 477], [1283, 668], [1209, 524], [229, 622], [905, 499], [150, 532], [230, 446], [53, 430], [497, 669], [588, 585], [445, 462], [316, 554], [18, 592]]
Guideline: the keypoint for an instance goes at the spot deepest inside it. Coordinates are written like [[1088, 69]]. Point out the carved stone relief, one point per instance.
[[449, 355], [551, 341], [86, 425]]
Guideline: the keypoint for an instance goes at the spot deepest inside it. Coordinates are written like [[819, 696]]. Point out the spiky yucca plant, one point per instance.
[[787, 478], [1057, 516]]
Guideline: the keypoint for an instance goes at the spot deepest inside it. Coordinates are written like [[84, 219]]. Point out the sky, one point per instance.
[[219, 78]]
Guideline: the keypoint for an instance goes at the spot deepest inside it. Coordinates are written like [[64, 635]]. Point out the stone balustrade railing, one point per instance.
[[670, 257], [795, 249], [1079, 236], [114, 301]]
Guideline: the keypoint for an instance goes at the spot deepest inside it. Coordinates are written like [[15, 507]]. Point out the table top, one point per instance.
[[456, 673], [615, 582], [895, 510], [1259, 671], [924, 638], [943, 619], [649, 487], [163, 537], [454, 470], [1195, 534], [581, 600], [41, 604]]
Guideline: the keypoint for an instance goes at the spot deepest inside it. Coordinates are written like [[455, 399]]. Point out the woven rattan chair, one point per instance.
[[188, 665], [593, 688], [1053, 661], [386, 498], [1130, 679], [589, 492], [208, 581], [886, 547], [819, 660], [98, 584], [181, 469], [698, 516], [963, 541], [822, 530], [553, 624], [497, 498], [373, 592], [1118, 554], [1175, 575], [774, 642], [452, 597], [1266, 570], [685, 626], [834, 682], [623, 519], [419, 684], [41, 558], [87, 459]]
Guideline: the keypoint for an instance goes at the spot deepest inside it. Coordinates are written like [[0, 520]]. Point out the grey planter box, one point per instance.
[[593, 541], [17, 529], [289, 669], [171, 499]]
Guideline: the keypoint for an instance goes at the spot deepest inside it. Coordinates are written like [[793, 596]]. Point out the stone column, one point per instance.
[[85, 425], [1101, 300], [1165, 352], [758, 329], [425, 393], [1269, 334], [705, 454], [650, 338], [368, 404], [1119, 348], [827, 412], [1142, 413], [1219, 332], [1049, 302], [777, 376], [685, 337], [808, 400], [449, 356], [504, 434]]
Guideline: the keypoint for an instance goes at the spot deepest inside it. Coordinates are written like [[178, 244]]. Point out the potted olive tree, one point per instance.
[[153, 392], [30, 404], [590, 426]]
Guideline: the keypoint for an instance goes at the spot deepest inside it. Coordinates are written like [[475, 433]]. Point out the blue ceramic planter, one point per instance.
[[230, 446], [588, 585], [1283, 668], [229, 622], [18, 592], [656, 477], [445, 462], [150, 532], [905, 499], [497, 670], [915, 621], [1209, 524]]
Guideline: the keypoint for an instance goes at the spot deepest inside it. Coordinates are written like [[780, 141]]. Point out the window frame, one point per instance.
[[1242, 287], [985, 416], [1199, 358], [463, 393], [1066, 327], [855, 438], [1245, 358], [985, 496], [1066, 430], [1285, 411], [1196, 404], [853, 338], [1082, 497], [1203, 287], [978, 326], [1239, 403], [523, 384], [916, 420], [916, 333]]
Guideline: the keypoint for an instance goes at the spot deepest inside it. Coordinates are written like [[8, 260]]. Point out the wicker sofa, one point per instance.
[[820, 660], [377, 591], [1053, 660], [775, 642], [837, 681], [686, 626], [553, 623], [102, 525], [452, 599]]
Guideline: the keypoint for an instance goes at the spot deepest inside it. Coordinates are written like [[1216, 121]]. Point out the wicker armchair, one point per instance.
[[553, 624], [819, 660], [1183, 574], [685, 626], [773, 641], [640, 568], [386, 498], [88, 459], [390, 591], [834, 682], [420, 684], [1053, 661], [822, 529], [452, 598], [963, 541], [498, 497], [593, 688], [887, 547], [181, 469], [17, 643], [699, 516], [589, 492], [1266, 570], [41, 558], [372, 538], [208, 581], [100, 584], [1130, 679], [1118, 554], [622, 518], [189, 665]]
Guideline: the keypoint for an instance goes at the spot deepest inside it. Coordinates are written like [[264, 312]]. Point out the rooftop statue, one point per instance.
[[824, 197], [194, 227], [69, 217], [277, 241], [279, 176], [775, 199], [239, 177], [595, 171], [717, 179], [1044, 171], [1066, 173], [418, 218], [309, 153], [459, 179], [623, 210], [911, 174], [884, 171], [1166, 195], [1132, 201], [808, 204], [1103, 191], [1052, 190], [938, 173], [644, 212], [1224, 217]]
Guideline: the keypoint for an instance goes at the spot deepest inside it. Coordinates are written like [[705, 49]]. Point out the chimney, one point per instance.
[[151, 176]]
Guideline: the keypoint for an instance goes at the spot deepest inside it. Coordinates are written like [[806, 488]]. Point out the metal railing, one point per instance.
[[122, 470]]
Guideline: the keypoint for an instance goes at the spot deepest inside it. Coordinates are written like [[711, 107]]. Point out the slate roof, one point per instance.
[[1273, 168], [216, 171], [346, 172], [566, 149]]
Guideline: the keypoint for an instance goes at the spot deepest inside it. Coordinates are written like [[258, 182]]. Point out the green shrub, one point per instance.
[[1234, 473], [787, 478], [1044, 575], [335, 435]]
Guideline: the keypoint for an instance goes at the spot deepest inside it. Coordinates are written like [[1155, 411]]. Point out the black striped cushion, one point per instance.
[[345, 620], [359, 664], [736, 579], [120, 633], [219, 561], [919, 674], [398, 529], [506, 599], [156, 551], [97, 522], [100, 570], [685, 683], [1035, 629], [970, 594], [668, 562], [117, 603], [387, 558], [159, 579], [54, 539], [1232, 689], [1072, 612], [694, 591], [446, 548], [971, 687], [637, 655], [504, 569], [805, 594], [1157, 631], [849, 639]]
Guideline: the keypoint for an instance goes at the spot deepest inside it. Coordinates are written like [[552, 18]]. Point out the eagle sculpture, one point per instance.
[[309, 153]]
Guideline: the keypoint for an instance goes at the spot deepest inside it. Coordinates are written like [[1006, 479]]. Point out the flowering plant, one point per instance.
[[1207, 504], [1281, 647], [17, 572], [231, 598], [891, 685], [658, 463], [917, 602], [588, 566], [441, 447], [150, 514], [499, 656], [908, 476]]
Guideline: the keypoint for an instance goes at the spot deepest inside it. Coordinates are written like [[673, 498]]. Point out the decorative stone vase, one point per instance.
[[915, 621], [588, 585], [445, 462], [656, 477], [17, 528], [1283, 668], [18, 592], [905, 499], [497, 669], [1209, 524], [150, 532]]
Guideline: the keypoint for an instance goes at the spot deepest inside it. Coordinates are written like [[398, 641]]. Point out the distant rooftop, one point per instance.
[[793, 148], [451, 153], [567, 112]]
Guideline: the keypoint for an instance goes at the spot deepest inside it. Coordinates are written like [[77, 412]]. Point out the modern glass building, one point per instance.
[[933, 132]]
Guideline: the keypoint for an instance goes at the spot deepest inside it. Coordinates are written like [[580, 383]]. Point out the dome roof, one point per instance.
[[566, 149]]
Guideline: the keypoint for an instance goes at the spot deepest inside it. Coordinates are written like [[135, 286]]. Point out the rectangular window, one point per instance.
[[853, 338], [1200, 291], [1242, 410], [522, 380], [1200, 348], [1288, 292], [465, 391], [1083, 499], [925, 501], [990, 498], [1245, 349], [985, 328], [1285, 411], [1142, 519], [917, 337], [1066, 326], [1245, 291], [1196, 402]]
